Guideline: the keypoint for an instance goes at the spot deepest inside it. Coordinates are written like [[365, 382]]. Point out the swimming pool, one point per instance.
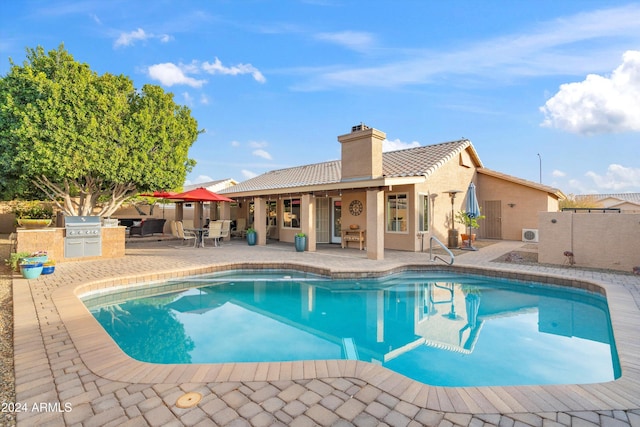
[[437, 328]]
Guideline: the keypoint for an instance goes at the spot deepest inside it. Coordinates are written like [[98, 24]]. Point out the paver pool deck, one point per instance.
[[68, 372]]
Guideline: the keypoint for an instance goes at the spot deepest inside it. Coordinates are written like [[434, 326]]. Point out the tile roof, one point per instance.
[[226, 182], [525, 182], [418, 161], [627, 197]]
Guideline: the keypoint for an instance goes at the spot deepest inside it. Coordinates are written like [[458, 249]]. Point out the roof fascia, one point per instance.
[[343, 185], [549, 190]]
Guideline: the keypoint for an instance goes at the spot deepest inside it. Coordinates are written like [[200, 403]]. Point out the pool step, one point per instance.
[[350, 350]]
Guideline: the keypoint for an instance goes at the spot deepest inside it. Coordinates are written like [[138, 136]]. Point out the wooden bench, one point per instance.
[[358, 235]]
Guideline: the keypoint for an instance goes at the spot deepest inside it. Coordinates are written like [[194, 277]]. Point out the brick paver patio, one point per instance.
[[68, 373]]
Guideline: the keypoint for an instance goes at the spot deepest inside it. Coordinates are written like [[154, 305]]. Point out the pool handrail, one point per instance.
[[433, 258]]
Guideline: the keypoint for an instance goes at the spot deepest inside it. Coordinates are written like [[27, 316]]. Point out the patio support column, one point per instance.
[[179, 215], [260, 219], [225, 210], [375, 224], [213, 211], [198, 211], [308, 223]]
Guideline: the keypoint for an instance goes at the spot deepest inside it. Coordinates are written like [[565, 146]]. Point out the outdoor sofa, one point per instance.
[[147, 227]]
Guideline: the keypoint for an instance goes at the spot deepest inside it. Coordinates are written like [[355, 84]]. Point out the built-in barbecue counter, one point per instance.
[[78, 240]]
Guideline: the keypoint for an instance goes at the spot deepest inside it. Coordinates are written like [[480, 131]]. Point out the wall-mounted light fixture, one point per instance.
[[511, 205]]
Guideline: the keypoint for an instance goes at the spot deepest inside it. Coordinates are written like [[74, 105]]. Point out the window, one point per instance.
[[423, 212], [397, 213], [291, 213]]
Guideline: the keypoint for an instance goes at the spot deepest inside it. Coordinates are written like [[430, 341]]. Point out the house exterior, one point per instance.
[[393, 200], [626, 202], [215, 186]]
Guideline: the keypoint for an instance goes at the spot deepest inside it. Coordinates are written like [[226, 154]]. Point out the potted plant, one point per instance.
[[48, 267], [252, 236], [40, 256], [15, 258], [33, 214], [30, 269], [469, 222], [300, 242]]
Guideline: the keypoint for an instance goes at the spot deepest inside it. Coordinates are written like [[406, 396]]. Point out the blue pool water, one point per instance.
[[434, 327]]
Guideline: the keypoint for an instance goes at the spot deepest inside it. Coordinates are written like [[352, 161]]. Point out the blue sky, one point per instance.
[[274, 82]]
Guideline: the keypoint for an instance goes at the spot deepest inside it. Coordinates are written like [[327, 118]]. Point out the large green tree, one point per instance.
[[87, 141]]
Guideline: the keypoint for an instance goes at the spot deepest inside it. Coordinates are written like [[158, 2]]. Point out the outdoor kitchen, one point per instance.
[[80, 238]]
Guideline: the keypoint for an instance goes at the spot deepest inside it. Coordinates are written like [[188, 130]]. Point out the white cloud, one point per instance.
[[616, 178], [396, 144], [355, 40], [170, 74], [599, 104], [204, 100], [557, 173], [187, 98], [235, 143], [218, 68], [262, 153], [129, 39], [571, 45], [248, 174], [258, 144]]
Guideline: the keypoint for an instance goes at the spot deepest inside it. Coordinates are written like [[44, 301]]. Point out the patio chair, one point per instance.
[[174, 229], [226, 228], [185, 235], [270, 231], [240, 229], [214, 232]]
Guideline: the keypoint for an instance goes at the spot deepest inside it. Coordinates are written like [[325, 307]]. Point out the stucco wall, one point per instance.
[[453, 175], [597, 240], [51, 239], [527, 204]]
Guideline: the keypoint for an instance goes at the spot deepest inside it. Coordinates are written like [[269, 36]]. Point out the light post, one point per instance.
[[453, 233], [540, 157]]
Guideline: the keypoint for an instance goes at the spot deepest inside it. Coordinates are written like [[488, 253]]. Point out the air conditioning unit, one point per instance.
[[530, 235]]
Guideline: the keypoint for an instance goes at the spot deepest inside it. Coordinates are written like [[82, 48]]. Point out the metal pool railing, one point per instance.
[[437, 257]]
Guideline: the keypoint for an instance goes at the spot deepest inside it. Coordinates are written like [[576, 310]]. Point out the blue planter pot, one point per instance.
[[252, 238], [301, 243], [31, 271], [48, 269], [40, 258]]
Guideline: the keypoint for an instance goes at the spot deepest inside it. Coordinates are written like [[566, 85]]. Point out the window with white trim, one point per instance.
[[423, 213], [397, 212]]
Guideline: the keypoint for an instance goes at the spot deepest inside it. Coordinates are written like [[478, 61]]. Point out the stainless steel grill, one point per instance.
[[83, 236]]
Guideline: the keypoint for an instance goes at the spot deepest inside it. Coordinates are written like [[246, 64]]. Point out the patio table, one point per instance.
[[199, 232]]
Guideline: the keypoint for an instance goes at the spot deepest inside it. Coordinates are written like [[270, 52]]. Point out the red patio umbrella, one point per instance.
[[160, 194], [200, 194]]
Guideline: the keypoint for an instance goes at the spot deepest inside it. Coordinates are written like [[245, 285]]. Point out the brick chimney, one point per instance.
[[362, 153]]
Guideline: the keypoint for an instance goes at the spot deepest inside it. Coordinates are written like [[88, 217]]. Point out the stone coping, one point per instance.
[[104, 358]]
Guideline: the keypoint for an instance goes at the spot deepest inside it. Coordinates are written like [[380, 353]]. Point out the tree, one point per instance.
[[572, 201], [86, 140]]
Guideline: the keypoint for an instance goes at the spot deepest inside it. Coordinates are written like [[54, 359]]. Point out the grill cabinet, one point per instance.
[[83, 236]]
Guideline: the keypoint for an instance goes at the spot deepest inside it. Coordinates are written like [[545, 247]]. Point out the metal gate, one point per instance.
[[492, 224]]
